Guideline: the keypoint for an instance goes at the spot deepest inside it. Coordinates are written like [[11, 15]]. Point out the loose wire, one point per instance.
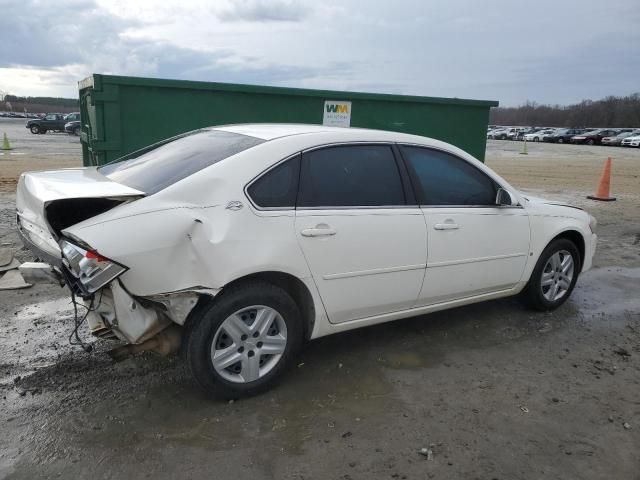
[[78, 341]]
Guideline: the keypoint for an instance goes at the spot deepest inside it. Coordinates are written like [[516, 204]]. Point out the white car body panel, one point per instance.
[[381, 264], [377, 255], [486, 252]]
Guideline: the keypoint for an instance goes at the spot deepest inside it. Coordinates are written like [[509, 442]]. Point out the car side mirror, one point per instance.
[[504, 198]]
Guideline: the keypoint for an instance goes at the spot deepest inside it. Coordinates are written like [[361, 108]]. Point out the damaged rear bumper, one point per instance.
[[115, 313]]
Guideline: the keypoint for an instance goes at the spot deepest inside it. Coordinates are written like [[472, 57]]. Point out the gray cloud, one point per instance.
[[45, 35], [48, 34], [265, 11], [458, 48]]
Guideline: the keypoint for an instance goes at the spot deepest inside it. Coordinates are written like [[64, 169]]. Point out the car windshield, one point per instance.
[[155, 168]]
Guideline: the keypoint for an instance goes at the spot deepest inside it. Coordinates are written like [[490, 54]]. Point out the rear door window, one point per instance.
[[350, 176], [278, 187]]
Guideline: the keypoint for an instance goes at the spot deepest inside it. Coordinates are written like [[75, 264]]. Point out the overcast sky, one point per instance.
[[546, 51]]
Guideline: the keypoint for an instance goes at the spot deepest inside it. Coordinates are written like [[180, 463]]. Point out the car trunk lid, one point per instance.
[[47, 202]]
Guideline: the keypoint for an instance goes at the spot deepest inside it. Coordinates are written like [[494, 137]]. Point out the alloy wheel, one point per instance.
[[557, 275], [249, 344]]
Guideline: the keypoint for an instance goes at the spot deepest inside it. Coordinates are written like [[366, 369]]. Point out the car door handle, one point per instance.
[[446, 226], [318, 232]]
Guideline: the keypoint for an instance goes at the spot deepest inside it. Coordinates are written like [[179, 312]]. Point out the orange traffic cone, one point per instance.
[[605, 183]]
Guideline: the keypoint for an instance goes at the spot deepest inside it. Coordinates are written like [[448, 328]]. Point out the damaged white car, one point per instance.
[[241, 242]]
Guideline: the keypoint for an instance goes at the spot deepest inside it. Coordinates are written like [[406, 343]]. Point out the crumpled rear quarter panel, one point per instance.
[[186, 247]]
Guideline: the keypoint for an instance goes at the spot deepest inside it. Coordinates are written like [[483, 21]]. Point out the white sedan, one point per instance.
[[244, 241], [539, 135], [631, 141]]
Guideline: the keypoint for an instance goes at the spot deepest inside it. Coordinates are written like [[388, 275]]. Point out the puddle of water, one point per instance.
[[608, 294]]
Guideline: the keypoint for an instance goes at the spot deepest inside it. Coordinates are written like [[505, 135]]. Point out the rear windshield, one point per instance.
[[155, 169]]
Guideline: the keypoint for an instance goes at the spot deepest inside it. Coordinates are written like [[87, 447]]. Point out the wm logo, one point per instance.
[[337, 108]]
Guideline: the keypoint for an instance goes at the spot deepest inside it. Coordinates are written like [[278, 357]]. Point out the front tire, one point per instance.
[[242, 343], [561, 140], [554, 276], [35, 129], [591, 142]]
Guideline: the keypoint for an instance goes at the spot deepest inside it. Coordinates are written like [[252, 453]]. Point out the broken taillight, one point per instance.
[[91, 269]]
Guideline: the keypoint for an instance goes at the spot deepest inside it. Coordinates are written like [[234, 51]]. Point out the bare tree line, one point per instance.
[[38, 104], [609, 112]]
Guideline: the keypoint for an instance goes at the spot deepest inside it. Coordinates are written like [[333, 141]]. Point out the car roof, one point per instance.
[[270, 131], [320, 134]]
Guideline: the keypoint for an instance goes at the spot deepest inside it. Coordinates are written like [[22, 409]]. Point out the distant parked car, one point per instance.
[[497, 133], [51, 121], [73, 117], [72, 128], [514, 132], [563, 135], [616, 141], [546, 136], [505, 133], [594, 137], [538, 136], [522, 133], [633, 141]]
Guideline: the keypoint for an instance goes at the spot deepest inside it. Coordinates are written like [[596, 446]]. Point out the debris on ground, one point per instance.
[[623, 352], [6, 256], [546, 327], [10, 277], [626, 426], [12, 280], [13, 264], [427, 453]]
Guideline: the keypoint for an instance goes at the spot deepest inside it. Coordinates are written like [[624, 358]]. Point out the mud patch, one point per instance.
[[606, 295]]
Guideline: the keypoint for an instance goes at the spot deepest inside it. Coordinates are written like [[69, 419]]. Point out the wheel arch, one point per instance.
[[576, 238], [288, 282]]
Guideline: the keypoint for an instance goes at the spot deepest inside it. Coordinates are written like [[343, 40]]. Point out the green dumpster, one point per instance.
[[123, 114]]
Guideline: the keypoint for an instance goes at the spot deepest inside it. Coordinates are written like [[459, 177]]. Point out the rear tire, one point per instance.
[[76, 131], [561, 140], [591, 141], [226, 333], [548, 286]]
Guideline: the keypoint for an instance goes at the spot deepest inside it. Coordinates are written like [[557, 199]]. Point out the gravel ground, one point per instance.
[[491, 390]]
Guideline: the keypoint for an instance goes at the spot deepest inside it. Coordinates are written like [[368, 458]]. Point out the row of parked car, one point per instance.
[[626, 137], [20, 115], [56, 122]]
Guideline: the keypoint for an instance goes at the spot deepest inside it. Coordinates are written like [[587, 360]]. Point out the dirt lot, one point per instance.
[[494, 390], [34, 152]]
